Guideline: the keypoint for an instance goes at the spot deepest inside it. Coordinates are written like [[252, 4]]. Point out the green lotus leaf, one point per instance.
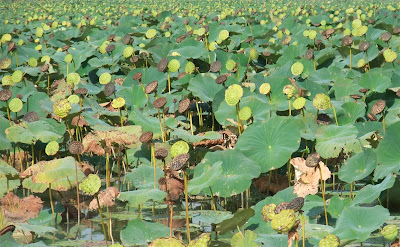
[[264, 142], [337, 204], [32, 132], [140, 232], [357, 223], [244, 239], [142, 177], [7, 170], [332, 139], [188, 137], [344, 87], [138, 197], [134, 96], [38, 229], [204, 86], [358, 166], [211, 174], [54, 170], [237, 172], [370, 192], [210, 216], [375, 81], [239, 219], [351, 111], [7, 185], [8, 240]]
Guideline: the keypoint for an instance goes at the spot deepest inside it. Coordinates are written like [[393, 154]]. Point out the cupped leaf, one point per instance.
[[138, 197], [370, 192], [211, 174], [32, 132], [204, 86], [358, 166], [142, 177], [140, 232]]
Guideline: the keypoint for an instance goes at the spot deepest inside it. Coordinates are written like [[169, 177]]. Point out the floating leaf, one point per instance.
[[140, 232], [239, 218], [211, 174], [358, 166], [244, 239], [370, 192], [138, 197]]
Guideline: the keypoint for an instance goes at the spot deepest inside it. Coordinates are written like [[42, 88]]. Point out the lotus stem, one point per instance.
[[33, 154], [334, 112], [323, 194], [304, 117], [164, 126], [290, 107], [350, 59], [69, 130], [153, 159], [186, 206], [169, 83], [383, 123], [120, 115], [112, 63], [51, 202], [199, 114], [212, 200], [1, 218], [8, 114], [303, 229], [296, 242], [107, 168], [369, 68], [161, 126], [48, 83], [102, 220], [119, 167], [171, 209], [77, 193], [351, 190], [239, 122], [67, 68], [191, 121]]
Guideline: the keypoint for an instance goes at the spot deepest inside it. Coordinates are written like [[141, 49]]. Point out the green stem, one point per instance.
[[102, 220], [323, 194], [51, 202], [187, 207], [334, 112], [77, 193]]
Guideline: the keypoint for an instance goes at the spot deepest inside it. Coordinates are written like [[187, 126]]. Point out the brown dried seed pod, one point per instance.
[[330, 31], [183, 105], [31, 116], [323, 119], [127, 40], [371, 117], [81, 91], [386, 36], [179, 161], [110, 48], [19, 96], [111, 37], [137, 76], [398, 93], [11, 47], [151, 87], [296, 204], [313, 160], [378, 107], [160, 102], [76, 147], [186, 21], [317, 24], [396, 30], [5, 94], [162, 64], [355, 96], [109, 89], [207, 28], [146, 137], [162, 181], [161, 153], [134, 59], [216, 66], [363, 90], [221, 79], [180, 75], [180, 38], [215, 18], [309, 54], [364, 46], [347, 40], [281, 206], [266, 54], [248, 40], [45, 67]]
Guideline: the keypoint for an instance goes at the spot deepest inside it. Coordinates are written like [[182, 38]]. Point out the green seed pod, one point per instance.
[[389, 55], [233, 94], [289, 91], [297, 68], [73, 78], [223, 35], [61, 108], [128, 51], [52, 148], [15, 105], [5, 63], [329, 241], [167, 242], [267, 212], [390, 232], [230, 65], [174, 65], [284, 221], [7, 80], [90, 185], [265, 88], [201, 241], [105, 78], [68, 58], [190, 67], [361, 63], [179, 147], [299, 103], [39, 32], [245, 113], [322, 101], [16, 76], [253, 53], [45, 59], [151, 33], [118, 102], [73, 99], [116, 245]]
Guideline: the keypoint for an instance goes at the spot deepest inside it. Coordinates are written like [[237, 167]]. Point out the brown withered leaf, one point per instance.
[[307, 178], [175, 188], [106, 198], [108, 106], [79, 121], [20, 210], [122, 136], [176, 223], [276, 184]]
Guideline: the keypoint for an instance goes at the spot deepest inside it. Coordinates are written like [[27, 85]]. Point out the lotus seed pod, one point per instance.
[[118, 102], [81, 91], [5, 94], [230, 65], [167, 242], [361, 63], [309, 54], [162, 64], [61, 108], [146, 137], [76, 147], [31, 116], [39, 32], [265, 88], [216, 66], [297, 68], [102, 48], [223, 34], [90, 185], [151, 33], [323, 119], [284, 221], [7, 80], [161, 153], [268, 212], [179, 161], [179, 147], [174, 65], [109, 89], [313, 160], [390, 232], [5, 63], [68, 58], [221, 79], [32, 62], [356, 23], [364, 46], [389, 55], [190, 67], [289, 91], [160, 102], [16, 76], [110, 48], [245, 113], [253, 53], [347, 40], [105, 78], [202, 241], [329, 241], [322, 101], [73, 78], [38, 47], [378, 107], [386, 36], [299, 103], [6, 37], [151, 87], [15, 105], [73, 99], [233, 94], [296, 204], [281, 206], [183, 105], [116, 245], [52, 148], [128, 51]]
